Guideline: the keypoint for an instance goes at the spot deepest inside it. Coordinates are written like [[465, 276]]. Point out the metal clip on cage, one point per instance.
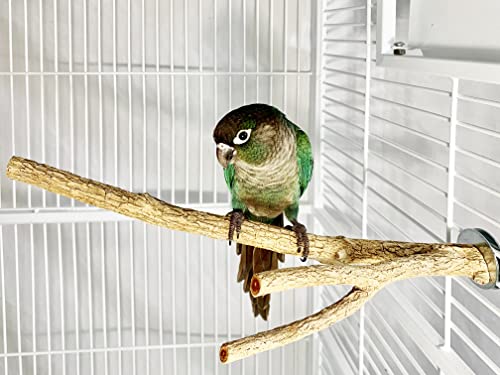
[[476, 236]]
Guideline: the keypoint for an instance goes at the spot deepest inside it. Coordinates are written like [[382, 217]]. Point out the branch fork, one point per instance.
[[367, 265]]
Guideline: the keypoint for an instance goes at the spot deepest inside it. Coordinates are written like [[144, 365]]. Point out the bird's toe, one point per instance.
[[236, 218], [302, 239]]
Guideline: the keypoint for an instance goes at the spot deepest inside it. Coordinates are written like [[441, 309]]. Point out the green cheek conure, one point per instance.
[[268, 164]]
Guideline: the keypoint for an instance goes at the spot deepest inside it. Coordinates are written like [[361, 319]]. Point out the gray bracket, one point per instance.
[[475, 236]]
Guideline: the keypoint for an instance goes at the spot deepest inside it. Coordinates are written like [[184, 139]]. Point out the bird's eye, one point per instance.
[[242, 136]]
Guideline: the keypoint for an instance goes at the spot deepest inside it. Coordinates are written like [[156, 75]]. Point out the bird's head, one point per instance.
[[248, 134]]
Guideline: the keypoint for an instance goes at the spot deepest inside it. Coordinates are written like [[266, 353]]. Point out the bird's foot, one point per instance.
[[302, 239], [236, 218]]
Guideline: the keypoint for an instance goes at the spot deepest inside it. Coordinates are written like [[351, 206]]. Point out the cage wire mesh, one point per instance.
[[128, 92], [406, 156]]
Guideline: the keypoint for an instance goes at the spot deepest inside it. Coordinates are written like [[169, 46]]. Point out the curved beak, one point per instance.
[[225, 154]]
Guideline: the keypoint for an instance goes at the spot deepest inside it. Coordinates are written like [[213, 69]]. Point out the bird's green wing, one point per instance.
[[229, 176], [304, 158], [231, 184]]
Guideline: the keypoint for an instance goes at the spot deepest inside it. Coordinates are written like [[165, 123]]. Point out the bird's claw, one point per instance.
[[302, 239], [236, 218]]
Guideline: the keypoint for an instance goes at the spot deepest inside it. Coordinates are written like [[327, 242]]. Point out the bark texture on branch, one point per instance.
[[274, 338], [368, 265], [454, 260], [144, 207], [457, 260]]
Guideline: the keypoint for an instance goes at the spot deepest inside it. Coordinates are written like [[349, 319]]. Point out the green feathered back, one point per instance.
[[304, 157]]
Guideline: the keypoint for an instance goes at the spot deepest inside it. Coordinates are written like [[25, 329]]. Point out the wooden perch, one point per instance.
[[456, 260], [368, 265]]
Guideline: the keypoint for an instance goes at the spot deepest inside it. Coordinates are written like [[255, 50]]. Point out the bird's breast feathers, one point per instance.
[[268, 189]]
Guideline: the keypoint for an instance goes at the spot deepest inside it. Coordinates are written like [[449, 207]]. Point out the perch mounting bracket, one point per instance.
[[475, 236]]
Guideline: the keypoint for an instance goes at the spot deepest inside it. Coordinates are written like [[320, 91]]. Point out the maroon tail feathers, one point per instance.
[[255, 260]]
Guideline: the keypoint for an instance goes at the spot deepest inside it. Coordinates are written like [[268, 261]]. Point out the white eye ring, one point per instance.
[[242, 137]]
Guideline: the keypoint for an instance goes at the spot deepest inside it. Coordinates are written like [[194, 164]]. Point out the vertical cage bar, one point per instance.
[[58, 164], [172, 105], [27, 91], [146, 294], [366, 137], [85, 91], [186, 100], [18, 300], [87, 173], [115, 101], [285, 68], [116, 235], [33, 299], [297, 81], [244, 53], [118, 296], [271, 49], [174, 299], [42, 93], [144, 182], [188, 306], [131, 182], [158, 101], [72, 140], [215, 99], [160, 299], [450, 209], [230, 68], [202, 302], [104, 299], [14, 203], [47, 296], [12, 113], [61, 295], [71, 99], [257, 46], [285, 53], [56, 95], [99, 82], [229, 49], [77, 302], [101, 170], [158, 189], [90, 296], [200, 98], [230, 107], [215, 288], [366, 142], [228, 305], [132, 294], [318, 118]]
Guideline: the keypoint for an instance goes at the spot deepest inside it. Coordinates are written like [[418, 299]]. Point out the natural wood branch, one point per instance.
[[238, 349], [144, 207], [368, 265], [456, 260]]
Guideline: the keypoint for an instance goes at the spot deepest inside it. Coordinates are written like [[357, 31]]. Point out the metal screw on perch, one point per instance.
[[367, 265], [399, 48]]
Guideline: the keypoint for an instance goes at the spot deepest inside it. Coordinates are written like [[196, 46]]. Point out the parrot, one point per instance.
[[268, 163]]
